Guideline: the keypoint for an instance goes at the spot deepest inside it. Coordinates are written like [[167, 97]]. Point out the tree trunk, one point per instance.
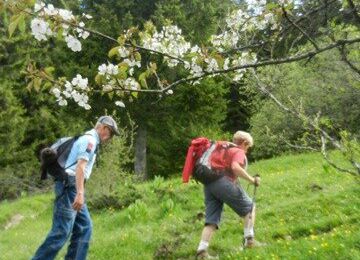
[[140, 152]]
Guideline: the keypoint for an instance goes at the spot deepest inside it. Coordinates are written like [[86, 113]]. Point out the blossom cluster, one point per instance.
[[170, 41], [108, 70], [76, 89], [240, 26], [244, 58], [42, 28]]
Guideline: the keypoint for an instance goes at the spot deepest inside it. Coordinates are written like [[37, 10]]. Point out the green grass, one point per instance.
[[305, 211]]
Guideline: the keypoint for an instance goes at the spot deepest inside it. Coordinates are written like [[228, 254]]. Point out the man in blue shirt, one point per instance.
[[71, 216]]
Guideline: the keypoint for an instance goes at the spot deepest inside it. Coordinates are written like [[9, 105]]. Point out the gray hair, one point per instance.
[[241, 136]]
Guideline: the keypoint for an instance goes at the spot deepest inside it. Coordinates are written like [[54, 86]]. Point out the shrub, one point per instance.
[[110, 185]]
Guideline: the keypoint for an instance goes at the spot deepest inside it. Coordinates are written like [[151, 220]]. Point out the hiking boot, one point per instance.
[[250, 242], [203, 254]]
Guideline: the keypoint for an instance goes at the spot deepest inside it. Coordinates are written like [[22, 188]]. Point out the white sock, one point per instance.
[[203, 245], [248, 232]]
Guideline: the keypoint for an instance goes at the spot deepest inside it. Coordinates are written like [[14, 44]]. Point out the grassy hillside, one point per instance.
[[305, 211]]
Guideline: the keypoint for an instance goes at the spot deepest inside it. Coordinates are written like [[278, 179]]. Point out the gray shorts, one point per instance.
[[225, 191]]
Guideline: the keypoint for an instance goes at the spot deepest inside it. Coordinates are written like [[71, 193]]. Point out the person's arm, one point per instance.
[[80, 175], [241, 172]]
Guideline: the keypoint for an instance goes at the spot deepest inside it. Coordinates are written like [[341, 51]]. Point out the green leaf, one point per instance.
[[30, 85], [122, 72], [114, 51], [22, 24], [49, 70], [59, 35], [135, 94], [14, 22], [121, 40], [153, 67], [47, 85], [30, 2], [142, 79], [137, 56], [98, 79], [37, 84]]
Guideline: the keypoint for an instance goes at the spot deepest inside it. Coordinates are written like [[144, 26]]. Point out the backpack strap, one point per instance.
[[74, 140]]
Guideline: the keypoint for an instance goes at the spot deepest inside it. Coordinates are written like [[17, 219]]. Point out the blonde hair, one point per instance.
[[241, 136]]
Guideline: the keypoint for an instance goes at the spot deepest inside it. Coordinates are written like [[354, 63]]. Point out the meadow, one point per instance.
[[305, 210]]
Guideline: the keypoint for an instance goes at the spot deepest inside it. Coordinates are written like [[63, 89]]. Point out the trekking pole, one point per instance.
[[254, 198], [255, 188]]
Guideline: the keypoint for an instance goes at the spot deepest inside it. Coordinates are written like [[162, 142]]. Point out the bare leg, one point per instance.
[[206, 235], [249, 222]]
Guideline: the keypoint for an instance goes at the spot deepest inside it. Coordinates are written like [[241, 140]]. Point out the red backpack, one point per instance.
[[196, 149]]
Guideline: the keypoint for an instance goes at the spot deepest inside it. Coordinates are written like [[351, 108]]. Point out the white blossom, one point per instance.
[[107, 88], [170, 92], [38, 6], [56, 92], [131, 71], [73, 43], [67, 94], [102, 69], [196, 70], [84, 34], [169, 41], [40, 29], [81, 32], [68, 86], [256, 6], [123, 52], [112, 69], [132, 63], [80, 82], [131, 83], [108, 70], [66, 15], [62, 102], [83, 100], [239, 74], [50, 10], [212, 64], [88, 16], [75, 95], [119, 104], [226, 63], [195, 49]]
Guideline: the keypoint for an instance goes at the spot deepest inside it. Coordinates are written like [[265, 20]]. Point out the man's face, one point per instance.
[[105, 133], [245, 146]]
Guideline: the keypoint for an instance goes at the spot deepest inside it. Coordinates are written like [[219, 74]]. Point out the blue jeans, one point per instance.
[[66, 222]]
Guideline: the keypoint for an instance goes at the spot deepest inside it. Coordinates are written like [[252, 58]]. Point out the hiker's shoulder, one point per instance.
[[89, 137]]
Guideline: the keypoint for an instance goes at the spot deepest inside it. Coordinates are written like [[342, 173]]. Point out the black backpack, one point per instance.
[[51, 160]]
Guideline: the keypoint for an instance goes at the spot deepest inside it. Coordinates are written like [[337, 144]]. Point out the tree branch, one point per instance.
[[109, 37], [266, 62], [323, 152], [324, 135], [346, 60], [298, 27], [354, 11], [261, 86], [300, 147]]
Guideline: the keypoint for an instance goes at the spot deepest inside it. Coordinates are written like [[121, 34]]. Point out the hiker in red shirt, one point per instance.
[[233, 163]]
